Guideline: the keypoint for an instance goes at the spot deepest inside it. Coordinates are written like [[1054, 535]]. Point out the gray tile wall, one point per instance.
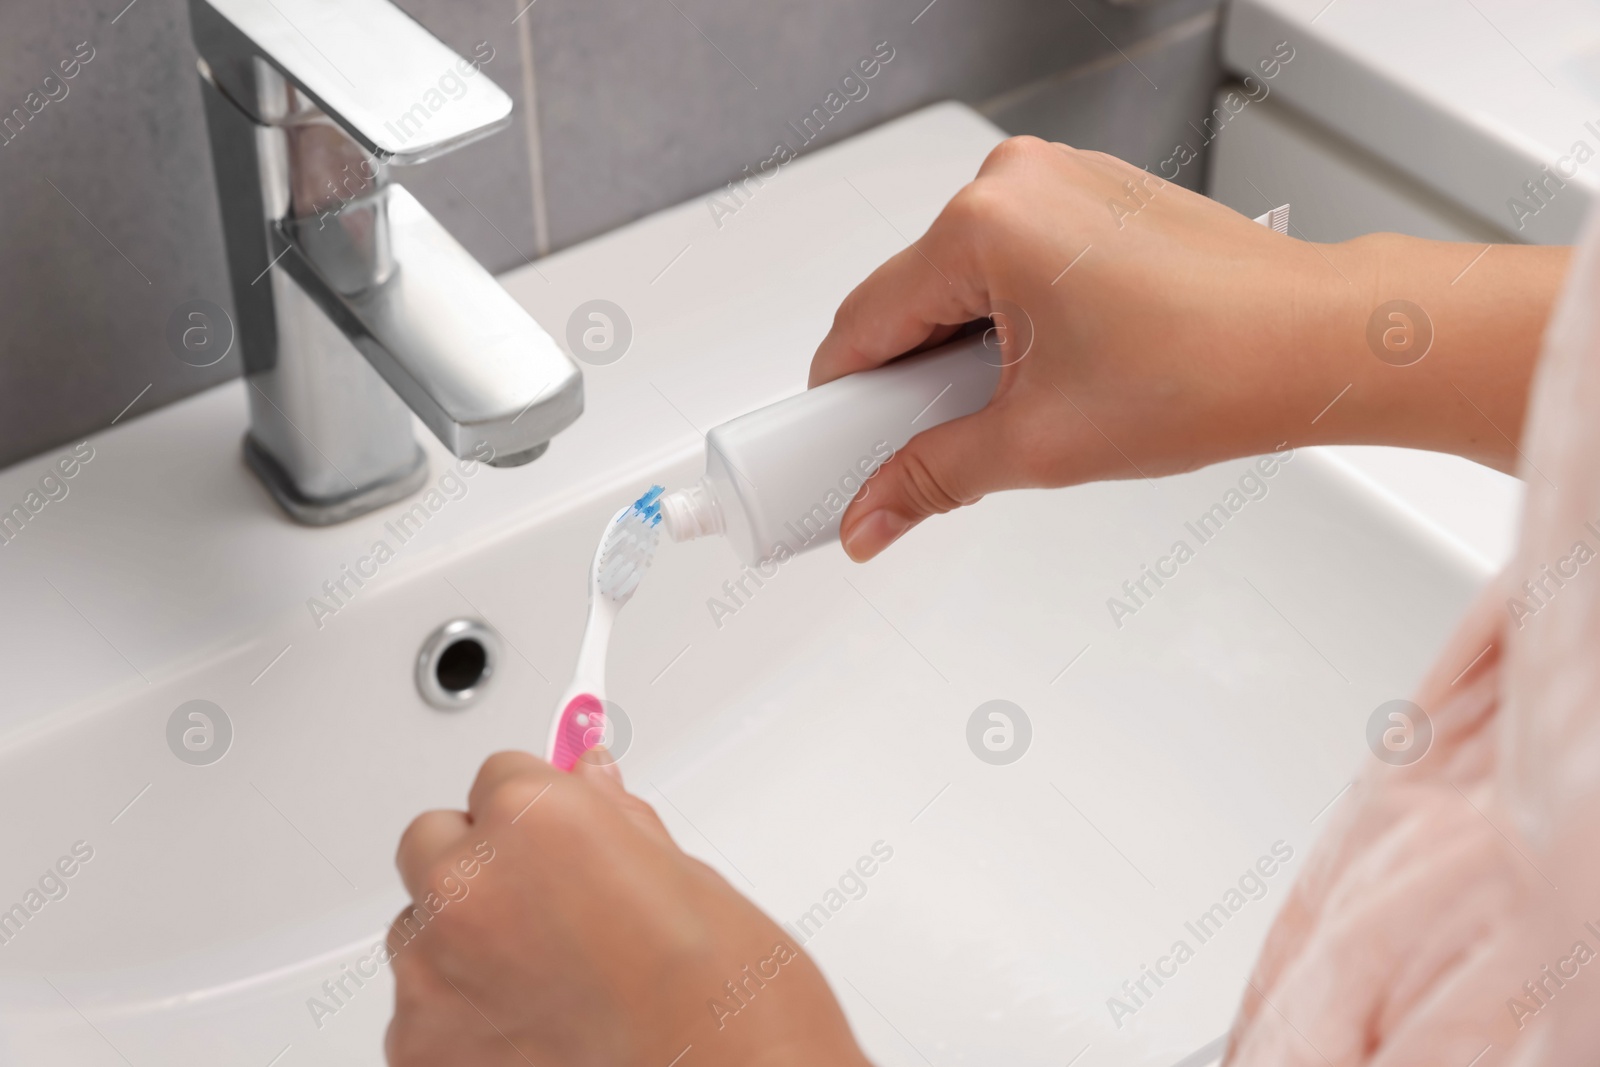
[[108, 218], [1138, 104]]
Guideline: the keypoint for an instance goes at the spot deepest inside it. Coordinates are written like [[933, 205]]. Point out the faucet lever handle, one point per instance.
[[396, 89]]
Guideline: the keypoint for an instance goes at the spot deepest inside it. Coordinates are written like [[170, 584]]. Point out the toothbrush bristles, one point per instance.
[[629, 545]]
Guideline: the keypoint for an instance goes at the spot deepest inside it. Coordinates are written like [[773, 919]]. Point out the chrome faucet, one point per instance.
[[347, 291]]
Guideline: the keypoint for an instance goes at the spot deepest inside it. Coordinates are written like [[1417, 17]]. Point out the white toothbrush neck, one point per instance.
[[590, 675]]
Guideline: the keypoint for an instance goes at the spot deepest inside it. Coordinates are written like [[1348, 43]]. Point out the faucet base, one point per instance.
[[517, 459], [326, 512]]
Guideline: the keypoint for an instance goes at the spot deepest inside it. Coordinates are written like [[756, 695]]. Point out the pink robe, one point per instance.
[[1451, 913]]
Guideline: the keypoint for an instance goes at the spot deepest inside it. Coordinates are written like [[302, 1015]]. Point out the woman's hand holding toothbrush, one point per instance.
[[1163, 332], [585, 936]]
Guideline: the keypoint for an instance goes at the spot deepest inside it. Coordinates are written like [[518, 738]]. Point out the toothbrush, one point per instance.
[[624, 555], [1276, 220]]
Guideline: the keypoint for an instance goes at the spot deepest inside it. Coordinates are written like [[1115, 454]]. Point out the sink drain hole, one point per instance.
[[456, 663], [461, 666]]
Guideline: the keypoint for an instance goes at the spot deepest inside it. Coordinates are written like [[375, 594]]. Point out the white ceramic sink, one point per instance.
[[829, 713]]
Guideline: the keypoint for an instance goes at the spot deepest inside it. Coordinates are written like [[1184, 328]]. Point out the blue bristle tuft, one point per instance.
[[648, 507], [628, 545]]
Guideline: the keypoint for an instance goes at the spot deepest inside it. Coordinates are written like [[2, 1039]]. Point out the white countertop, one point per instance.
[[1473, 97]]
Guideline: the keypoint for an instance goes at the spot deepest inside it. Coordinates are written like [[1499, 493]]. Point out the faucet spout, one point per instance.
[[356, 307], [445, 336]]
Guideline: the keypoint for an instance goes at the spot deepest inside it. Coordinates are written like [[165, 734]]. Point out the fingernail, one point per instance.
[[874, 533]]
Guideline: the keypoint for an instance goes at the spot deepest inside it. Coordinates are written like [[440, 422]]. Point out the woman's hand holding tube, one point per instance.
[[1149, 330]]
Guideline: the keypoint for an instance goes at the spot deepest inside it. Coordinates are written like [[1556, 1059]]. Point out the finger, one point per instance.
[[938, 336], [645, 817], [405, 928], [431, 835], [599, 765], [434, 1022], [933, 283], [938, 470], [500, 768]]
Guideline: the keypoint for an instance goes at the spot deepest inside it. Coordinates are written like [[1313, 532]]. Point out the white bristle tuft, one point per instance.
[[625, 555]]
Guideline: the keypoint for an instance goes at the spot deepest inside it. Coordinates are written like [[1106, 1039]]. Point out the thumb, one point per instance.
[[599, 765], [939, 470]]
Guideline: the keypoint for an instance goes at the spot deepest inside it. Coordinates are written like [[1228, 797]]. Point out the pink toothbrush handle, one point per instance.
[[582, 726]]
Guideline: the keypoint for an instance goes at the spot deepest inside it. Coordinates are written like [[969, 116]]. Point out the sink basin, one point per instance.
[[820, 717]]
